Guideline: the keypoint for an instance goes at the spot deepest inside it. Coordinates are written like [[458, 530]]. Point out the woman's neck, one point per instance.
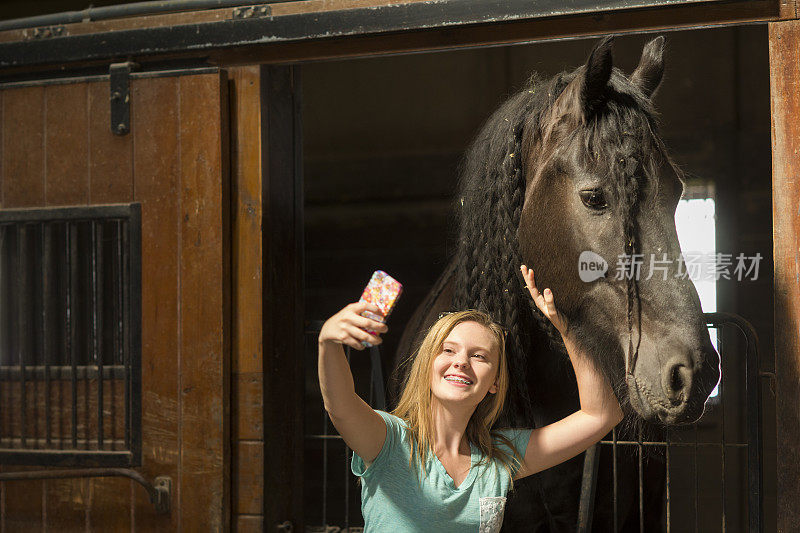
[[450, 426]]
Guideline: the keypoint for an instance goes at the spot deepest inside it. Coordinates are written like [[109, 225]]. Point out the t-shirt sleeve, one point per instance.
[[519, 438], [394, 429]]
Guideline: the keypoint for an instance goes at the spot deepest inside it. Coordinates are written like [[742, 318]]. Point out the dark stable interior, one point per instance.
[[382, 141]]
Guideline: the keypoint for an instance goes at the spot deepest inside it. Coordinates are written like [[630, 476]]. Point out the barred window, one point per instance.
[[70, 300]]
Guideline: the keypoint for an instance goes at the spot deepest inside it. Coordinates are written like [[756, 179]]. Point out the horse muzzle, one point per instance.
[[676, 392]]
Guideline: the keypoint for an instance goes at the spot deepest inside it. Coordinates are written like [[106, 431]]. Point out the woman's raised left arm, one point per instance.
[[599, 409]]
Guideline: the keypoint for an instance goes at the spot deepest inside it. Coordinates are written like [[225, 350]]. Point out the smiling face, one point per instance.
[[466, 368]]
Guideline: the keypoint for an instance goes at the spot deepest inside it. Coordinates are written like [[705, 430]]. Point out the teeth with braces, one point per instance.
[[459, 380]]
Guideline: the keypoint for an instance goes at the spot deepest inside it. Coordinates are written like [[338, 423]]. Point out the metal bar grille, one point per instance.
[[45, 286], [70, 289], [332, 498]]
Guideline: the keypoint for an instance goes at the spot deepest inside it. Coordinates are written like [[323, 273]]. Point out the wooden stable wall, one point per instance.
[[57, 149], [784, 52], [152, 166]]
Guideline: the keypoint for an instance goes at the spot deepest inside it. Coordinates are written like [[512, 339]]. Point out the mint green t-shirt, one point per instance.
[[393, 500]]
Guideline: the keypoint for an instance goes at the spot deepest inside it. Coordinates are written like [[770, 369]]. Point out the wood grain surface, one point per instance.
[[155, 129], [784, 52], [247, 433], [203, 292], [57, 149]]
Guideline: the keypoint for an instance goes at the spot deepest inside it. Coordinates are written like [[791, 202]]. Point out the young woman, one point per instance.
[[435, 463]]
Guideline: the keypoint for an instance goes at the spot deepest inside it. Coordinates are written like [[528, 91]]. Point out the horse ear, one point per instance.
[[647, 75], [596, 76]]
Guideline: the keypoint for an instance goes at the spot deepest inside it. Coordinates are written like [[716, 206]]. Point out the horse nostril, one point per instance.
[[675, 380]]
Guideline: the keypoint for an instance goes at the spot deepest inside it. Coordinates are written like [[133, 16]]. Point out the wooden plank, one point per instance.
[[110, 181], [204, 328], [109, 505], [155, 130], [246, 222], [129, 23], [248, 467], [23, 186], [249, 524], [247, 397], [321, 6], [788, 9], [247, 343], [67, 504], [67, 183], [283, 295], [784, 53], [23, 147]]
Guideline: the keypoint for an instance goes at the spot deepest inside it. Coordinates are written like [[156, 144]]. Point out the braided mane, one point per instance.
[[492, 191]]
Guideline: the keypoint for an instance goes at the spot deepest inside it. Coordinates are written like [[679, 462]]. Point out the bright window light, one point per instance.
[[695, 222]]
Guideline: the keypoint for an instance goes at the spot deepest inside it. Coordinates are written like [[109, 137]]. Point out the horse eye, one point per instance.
[[593, 199]]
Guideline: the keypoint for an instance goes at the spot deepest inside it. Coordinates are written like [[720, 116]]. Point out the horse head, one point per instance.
[[599, 182], [575, 165]]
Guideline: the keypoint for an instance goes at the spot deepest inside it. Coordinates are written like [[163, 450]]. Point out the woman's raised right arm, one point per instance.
[[360, 426]]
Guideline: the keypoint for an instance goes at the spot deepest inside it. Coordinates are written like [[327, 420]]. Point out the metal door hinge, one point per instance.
[[246, 12], [119, 74]]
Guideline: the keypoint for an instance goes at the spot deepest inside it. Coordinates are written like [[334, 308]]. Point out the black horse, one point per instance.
[[569, 166]]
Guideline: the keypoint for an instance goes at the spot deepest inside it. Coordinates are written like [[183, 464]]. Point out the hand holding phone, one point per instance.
[[383, 291]]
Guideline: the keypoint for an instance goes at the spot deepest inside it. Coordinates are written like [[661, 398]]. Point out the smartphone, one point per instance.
[[382, 290]]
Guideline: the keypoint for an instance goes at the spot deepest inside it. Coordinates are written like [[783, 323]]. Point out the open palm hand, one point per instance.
[[545, 302]]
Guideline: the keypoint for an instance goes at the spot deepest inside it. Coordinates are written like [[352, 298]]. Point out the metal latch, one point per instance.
[[119, 74], [163, 493]]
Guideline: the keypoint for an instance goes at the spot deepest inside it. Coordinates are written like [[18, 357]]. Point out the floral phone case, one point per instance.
[[382, 290]]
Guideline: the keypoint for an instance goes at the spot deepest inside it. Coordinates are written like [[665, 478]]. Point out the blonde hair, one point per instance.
[[415, 409]]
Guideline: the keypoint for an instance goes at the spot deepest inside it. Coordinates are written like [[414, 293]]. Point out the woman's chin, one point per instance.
[[455, 395]]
